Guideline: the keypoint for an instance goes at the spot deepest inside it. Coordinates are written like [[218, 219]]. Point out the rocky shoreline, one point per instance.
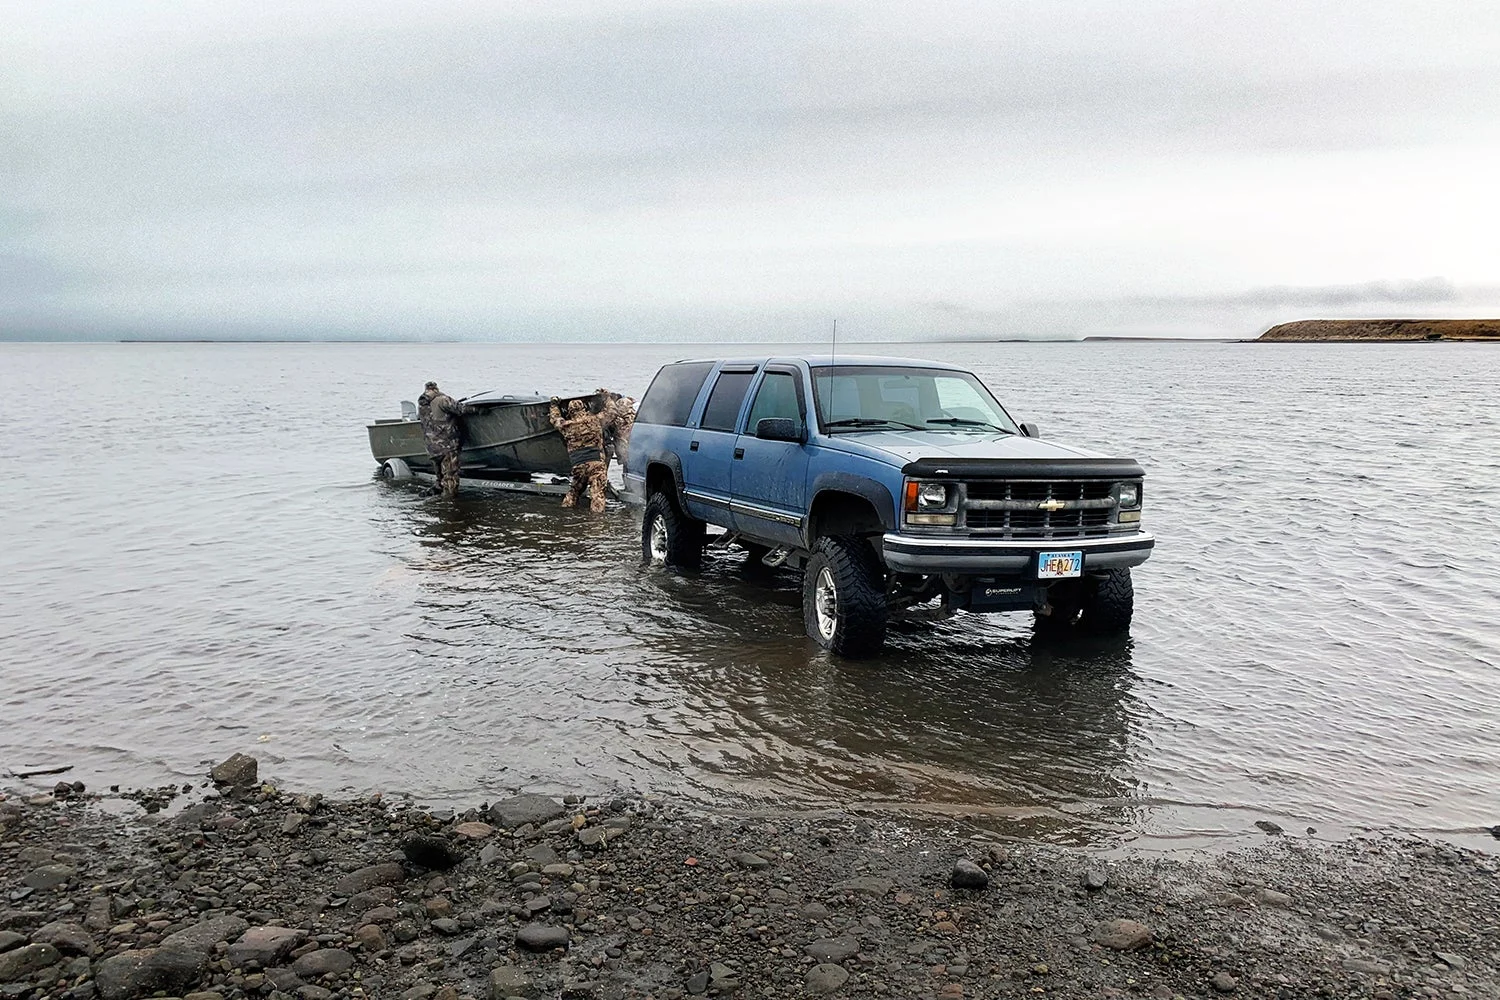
[[250, 891], [1358, 331]]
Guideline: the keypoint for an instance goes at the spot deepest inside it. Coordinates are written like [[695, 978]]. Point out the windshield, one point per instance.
[[873, 398]]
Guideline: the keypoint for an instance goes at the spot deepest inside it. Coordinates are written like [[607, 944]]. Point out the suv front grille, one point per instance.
[[1011, 509]]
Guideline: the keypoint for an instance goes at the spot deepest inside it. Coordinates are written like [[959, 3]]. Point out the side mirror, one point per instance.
[[779, 429], [1031, 430]]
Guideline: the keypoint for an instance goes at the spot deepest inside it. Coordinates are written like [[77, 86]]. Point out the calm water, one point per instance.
[[197, 560]]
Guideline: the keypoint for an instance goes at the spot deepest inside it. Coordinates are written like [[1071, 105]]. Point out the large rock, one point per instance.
[[48, 877], [323, 962], [968, 875], [133, 974], [427, 851], [20, 963], [264, 945], [834, 949], [369, 878], [508, 981], [1123, 935], [826, 978], [11, 939], [518, 810], [542, 937], [70, 939], [202, 937], [240, 771]]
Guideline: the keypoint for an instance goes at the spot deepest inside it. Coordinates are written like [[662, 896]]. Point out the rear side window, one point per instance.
[[724, 402], [672, 393]]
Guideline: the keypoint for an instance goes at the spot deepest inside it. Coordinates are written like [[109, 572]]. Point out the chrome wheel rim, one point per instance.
[[826, 603], [658, 541]]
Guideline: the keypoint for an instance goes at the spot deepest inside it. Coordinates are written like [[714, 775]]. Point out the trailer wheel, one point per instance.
[[843, 597], [670, 537], [1109, 603], [395, 469]]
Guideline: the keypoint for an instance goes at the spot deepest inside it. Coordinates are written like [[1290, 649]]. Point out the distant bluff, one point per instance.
[[1304, 330]]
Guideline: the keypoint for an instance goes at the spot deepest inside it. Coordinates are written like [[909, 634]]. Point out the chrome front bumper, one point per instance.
[[1005, 556]]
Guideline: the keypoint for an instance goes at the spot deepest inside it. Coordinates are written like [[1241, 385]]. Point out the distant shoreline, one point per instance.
[[1361, 331]]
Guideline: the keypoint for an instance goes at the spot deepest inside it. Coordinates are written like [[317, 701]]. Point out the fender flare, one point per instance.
[[875, 492], [674, 465]]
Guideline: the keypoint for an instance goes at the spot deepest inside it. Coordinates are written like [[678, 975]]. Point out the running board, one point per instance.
[[776, 557]]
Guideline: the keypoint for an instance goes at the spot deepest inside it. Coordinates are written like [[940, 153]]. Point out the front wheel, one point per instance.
[[843, 597], [669, 537], [1109, 603]]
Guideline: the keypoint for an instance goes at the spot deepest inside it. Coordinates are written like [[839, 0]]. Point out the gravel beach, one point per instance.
[[238, 889]]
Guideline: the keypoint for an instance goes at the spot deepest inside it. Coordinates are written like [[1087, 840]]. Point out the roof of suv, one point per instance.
[[827, 360]]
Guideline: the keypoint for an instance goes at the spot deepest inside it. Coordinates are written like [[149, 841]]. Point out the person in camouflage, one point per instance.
[[582, 434], [439, 414], [617, 417]]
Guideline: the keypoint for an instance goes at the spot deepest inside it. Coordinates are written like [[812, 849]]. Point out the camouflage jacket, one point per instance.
[[618, 416], [439, 414], [582, 434]]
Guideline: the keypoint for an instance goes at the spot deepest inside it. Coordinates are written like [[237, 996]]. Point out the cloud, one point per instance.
[[397, 166]]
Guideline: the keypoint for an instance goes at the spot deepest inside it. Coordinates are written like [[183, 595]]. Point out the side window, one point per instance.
[[724, 402], [672, 394], [777, 398]]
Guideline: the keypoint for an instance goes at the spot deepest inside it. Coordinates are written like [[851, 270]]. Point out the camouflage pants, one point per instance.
[[590, 476], [447, 472]]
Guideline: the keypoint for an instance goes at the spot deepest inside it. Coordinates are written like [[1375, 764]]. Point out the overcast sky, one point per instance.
[[743, 170]]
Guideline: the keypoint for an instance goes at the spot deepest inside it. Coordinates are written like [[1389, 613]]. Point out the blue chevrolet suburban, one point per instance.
[[891, 484]]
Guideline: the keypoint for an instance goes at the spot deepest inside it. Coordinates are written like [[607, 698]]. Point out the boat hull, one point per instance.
[[501, 437]]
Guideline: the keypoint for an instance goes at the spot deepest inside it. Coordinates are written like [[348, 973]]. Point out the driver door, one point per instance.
[[770, 477]]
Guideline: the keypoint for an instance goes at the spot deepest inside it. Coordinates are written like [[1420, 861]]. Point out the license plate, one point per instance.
[[1058, 565]]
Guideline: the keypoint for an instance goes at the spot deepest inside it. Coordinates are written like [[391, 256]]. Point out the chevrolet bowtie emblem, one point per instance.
[[1051, 505]]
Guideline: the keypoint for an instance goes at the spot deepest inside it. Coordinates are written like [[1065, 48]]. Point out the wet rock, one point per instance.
[[592, 836], [20, 963], [430, 852], [70, 939], [239, 771], [697, 983], [508, 981], [264, 945], [48, 877], [293, 822], [100, 914], [11, 939], [752, 861], [833, 949], [404, 931], [447, 926], [1268, 828], [867, 885], [323, 962], [826, 978], [722, 979], [202, 937], [968, 875], [369, 878], [1448, 958], [542, 854], [1095, 880], [542, 937], [1223, 982], [1495, 831], [1123, 935], [519, 810], [133, 974]]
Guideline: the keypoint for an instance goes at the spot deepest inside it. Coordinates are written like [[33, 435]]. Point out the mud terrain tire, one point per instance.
[[843, 597], [669, 537], [1109, 603]]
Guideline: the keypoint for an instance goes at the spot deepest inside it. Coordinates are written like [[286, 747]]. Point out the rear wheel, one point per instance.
[[1108, 603], [843, 597], [669, 537]]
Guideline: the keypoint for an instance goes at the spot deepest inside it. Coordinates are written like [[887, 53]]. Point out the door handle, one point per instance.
[[693, 446], [739, 453]]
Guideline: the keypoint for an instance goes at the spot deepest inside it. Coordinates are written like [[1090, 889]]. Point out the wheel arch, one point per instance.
[[848, 505]]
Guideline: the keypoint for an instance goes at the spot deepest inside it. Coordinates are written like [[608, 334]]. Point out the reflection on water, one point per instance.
[[1314, 639]]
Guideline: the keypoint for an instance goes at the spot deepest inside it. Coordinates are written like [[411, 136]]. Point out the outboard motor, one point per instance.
[[408, 410]]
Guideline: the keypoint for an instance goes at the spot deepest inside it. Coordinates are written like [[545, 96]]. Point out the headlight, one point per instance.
[[1130, 495], [932, 495]]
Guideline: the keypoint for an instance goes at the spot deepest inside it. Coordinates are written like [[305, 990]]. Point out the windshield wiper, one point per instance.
[[961, 422], [870, 422]]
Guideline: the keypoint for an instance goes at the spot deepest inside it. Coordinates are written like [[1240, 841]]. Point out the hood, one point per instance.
[[909, 446]]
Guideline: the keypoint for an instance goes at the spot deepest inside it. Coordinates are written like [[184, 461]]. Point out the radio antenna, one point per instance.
[[834, 351]]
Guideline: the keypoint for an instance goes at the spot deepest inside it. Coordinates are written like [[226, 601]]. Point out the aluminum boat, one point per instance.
[[510, 434]]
